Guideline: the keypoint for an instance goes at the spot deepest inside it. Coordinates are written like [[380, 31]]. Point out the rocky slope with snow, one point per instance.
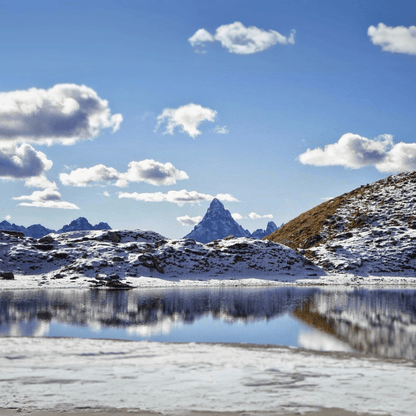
[[368, 231], [119, 258]]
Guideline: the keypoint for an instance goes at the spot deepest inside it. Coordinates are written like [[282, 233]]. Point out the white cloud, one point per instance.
[[200, 37], [65, 113], [7, 217], [354, 151], [401, 158], [237, 216], [40, 182], [186, 220], [351, 150], [397, 39], [48, 198], [187, 118], [242, 40], [221, 130], [255, 216], [177, 197], [85, 176], [105, 193], [147, 170], [22, 162]]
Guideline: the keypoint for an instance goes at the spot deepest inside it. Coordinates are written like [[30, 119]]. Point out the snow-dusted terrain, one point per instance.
[[144, 258], [370, 232], [62, 374]]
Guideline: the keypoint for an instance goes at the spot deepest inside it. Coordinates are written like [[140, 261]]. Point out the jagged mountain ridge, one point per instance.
[[218, 223], [260, 233], [370, 230], [82, 224], [39, 231]]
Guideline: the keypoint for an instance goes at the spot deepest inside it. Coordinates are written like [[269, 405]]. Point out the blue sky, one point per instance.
[[275, 79]]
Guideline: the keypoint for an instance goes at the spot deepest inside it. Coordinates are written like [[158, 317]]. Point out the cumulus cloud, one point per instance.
[[22, 162], [40, 182], [48, 198], [187, 118], [147, 170], [177, 197], [354, 151], [240, 39], [65, 113], [237, 216], [221, 130], [255, 216], [86, 176], [397, 39], [401, 158], [186, 220], [200, 37], [7, 217]]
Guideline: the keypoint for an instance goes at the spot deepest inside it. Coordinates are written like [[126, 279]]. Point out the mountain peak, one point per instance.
[[216, 203], [216, 224], [82, 224]]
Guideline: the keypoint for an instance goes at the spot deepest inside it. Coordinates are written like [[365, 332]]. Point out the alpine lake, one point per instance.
[[372, 321]]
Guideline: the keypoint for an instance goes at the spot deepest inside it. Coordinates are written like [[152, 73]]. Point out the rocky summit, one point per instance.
[[368, 231], [260, 233], [81, 224], [216, 224]]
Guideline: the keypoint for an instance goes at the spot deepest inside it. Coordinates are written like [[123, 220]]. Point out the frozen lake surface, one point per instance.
[[380, 322]]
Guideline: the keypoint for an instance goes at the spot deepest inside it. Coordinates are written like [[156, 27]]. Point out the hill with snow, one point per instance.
[[121, 258], [368, 231]]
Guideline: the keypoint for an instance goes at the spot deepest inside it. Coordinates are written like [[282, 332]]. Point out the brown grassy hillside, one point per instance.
[[321, 223]]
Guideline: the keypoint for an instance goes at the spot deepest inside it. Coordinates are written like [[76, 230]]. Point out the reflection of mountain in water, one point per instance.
[[379, 322], [144, 312]]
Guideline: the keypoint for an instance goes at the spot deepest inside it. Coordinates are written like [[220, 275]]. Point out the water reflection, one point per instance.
[[380, 322]]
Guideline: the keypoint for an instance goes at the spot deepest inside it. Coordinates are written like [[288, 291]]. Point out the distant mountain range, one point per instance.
[[38, 230], [219, 223]]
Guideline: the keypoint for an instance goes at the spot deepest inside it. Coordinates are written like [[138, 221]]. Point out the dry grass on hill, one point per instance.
[[303, 231], [306, 230]]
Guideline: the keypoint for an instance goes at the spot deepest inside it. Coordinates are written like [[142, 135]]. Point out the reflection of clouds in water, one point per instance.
[[319, 341], [95, 326], [32, 328], [164, 326]]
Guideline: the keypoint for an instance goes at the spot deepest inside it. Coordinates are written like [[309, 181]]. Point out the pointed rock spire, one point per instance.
[[217, 223]]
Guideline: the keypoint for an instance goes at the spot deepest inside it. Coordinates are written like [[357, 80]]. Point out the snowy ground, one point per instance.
[[61, 374], [83, 282]]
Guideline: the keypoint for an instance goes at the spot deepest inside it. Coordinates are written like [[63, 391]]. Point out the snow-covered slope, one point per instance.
[[217, 223], [369, 231], [103, 257]]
